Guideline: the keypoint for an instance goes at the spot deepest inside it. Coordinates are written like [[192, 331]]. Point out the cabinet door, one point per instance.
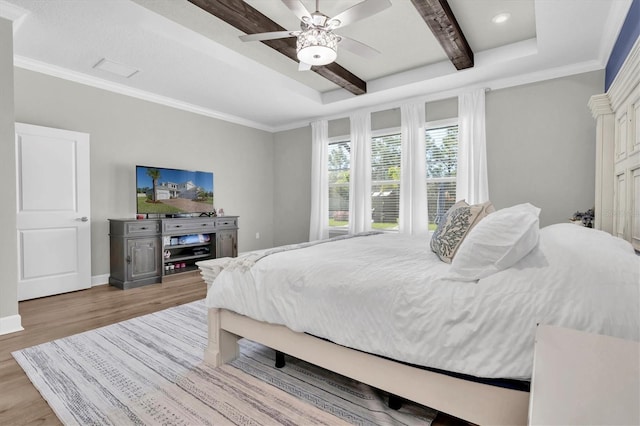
[[226, 245], [143, 258]]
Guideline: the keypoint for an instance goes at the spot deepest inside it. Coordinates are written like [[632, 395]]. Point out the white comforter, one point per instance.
[[389, 295]]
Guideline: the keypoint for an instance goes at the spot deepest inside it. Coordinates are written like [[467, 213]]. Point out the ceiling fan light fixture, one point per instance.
[[316, 46]]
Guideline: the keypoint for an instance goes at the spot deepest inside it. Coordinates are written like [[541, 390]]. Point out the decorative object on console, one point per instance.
[[584, 218]]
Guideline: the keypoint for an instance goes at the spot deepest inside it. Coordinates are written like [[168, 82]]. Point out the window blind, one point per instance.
[[442, 166], [339, 169], [385, 181]]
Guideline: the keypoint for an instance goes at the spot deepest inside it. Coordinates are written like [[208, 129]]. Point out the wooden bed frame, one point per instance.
[[475, 402]]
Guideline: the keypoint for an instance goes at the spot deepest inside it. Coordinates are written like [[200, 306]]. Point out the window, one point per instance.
[[339, 169], [385, 181], [442, 166]]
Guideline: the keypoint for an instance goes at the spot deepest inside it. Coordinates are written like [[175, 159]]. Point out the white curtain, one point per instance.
[[360, 175], [319, 222], [413, 174], [472, 181]]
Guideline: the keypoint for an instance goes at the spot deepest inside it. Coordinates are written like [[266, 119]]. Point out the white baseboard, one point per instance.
[[10, 324], [99, 280], [13, 323]]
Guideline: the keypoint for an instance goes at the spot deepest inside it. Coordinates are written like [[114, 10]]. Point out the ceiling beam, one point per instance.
[[247, 19], [443, 24]]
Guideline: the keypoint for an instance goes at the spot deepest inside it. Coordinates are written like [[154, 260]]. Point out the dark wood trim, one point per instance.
[[247, 19], [444, 26], [342, 77]]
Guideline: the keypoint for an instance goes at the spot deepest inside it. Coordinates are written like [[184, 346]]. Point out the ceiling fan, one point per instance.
[[317, 44]]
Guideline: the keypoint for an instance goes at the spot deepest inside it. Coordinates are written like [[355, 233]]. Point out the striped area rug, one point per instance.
[[150, 370]]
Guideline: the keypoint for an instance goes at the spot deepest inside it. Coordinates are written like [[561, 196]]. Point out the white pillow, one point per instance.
[[497, 242], [454, 227]]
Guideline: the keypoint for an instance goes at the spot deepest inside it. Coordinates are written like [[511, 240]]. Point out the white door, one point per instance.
[[54, 230]]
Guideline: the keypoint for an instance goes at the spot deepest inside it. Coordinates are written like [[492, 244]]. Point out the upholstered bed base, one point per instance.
[[472, 401]]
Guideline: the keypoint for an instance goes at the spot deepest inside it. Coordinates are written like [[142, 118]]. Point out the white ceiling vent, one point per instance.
[[115, 68]]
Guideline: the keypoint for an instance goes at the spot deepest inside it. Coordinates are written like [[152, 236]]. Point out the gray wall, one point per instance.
[[441, 110], [541, 145], [292, 201], [387, 119], [339, 127], [8, 248], [540, 149], [390, 118], [126, 131]]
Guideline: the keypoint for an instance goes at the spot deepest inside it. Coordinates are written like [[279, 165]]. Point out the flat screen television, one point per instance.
[[177, 192]]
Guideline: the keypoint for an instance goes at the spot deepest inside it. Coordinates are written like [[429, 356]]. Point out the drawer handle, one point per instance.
[[143, 228], [205, 224], [178, 226]]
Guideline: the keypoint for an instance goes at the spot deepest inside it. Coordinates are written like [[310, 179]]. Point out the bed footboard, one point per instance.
[[472, 401], [223, 345]]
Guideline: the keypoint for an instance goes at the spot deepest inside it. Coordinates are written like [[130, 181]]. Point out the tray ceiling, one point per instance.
[[188, 58]]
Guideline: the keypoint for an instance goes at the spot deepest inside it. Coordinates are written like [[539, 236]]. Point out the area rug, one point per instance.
[[150, 370]]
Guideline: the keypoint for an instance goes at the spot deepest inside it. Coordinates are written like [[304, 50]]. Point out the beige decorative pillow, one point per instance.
[[454, 227]]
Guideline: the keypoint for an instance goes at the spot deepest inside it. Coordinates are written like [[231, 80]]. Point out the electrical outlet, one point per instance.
[[257, 235]]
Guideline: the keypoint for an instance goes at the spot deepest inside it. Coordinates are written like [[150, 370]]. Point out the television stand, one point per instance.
[[148, 251]]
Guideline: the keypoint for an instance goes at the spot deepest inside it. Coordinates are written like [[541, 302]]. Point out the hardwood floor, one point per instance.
[[53, 317]]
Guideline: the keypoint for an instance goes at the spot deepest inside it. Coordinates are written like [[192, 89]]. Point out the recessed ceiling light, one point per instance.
[[115, 68], [501, 17]]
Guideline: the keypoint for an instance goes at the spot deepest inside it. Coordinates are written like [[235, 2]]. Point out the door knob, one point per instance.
[[83, 219]]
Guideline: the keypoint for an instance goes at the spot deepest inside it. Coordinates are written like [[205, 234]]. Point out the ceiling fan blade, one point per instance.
[[268, 36], [358, 48], [303, 67], [298, 9], [360, 11]]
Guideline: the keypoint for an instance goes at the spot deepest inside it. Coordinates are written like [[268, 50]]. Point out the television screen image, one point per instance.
[[173, 191]]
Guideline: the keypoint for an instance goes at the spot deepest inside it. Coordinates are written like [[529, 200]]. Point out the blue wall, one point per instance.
[[626, 39]]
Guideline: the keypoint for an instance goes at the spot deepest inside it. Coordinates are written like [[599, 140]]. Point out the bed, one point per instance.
[[385, 310]]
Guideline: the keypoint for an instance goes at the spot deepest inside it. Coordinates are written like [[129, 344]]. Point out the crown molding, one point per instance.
[[600, 105], [77, 77], [13, 13]]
